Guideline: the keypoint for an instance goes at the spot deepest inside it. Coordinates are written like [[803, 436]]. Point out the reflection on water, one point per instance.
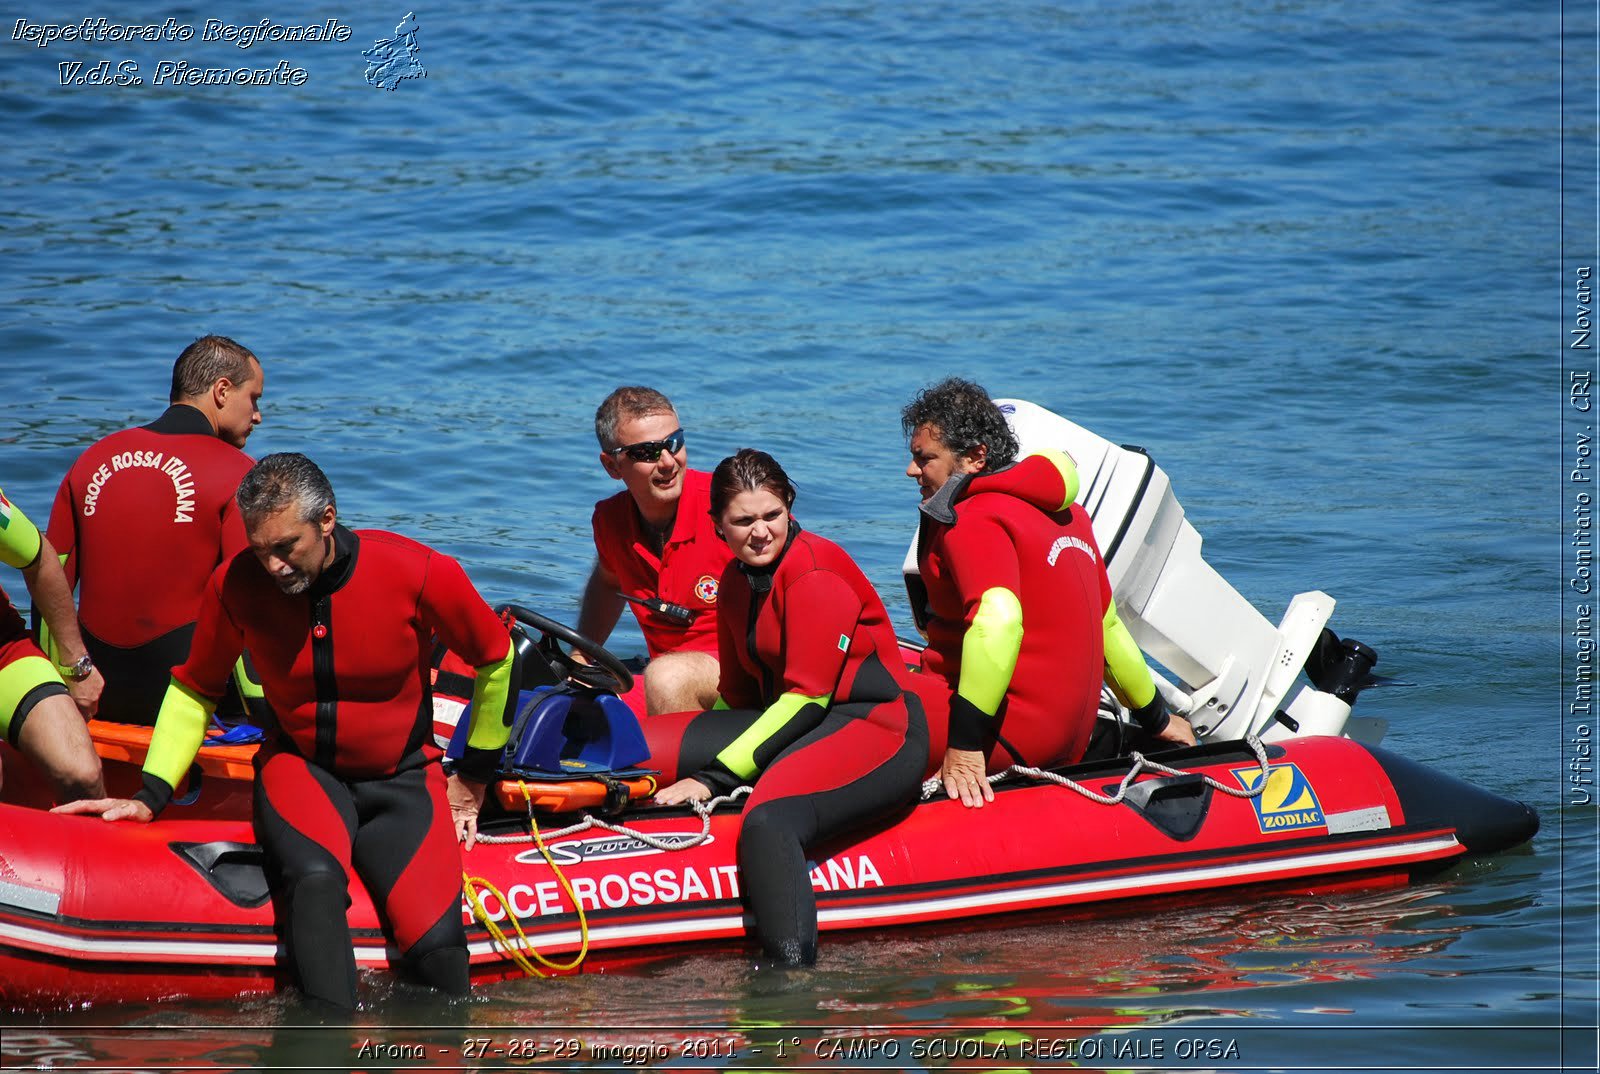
[[948, 996]]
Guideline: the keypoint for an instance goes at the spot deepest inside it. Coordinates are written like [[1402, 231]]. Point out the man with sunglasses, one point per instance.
[[656, 548]]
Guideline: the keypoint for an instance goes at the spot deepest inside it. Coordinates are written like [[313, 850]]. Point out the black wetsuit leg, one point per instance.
[[405, 852], [395, 833], [849, 771], [306, 820]]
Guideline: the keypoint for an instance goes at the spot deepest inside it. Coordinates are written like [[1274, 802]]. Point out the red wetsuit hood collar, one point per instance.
[[1034, 480]]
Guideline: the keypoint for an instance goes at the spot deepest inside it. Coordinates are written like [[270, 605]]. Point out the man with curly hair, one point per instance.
[[1021, 626]]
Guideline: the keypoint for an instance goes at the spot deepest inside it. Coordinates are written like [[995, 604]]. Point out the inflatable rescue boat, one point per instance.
[[579, 873], [107, 912]]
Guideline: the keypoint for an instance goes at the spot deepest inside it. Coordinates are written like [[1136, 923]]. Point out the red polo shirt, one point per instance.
[[687, 571]]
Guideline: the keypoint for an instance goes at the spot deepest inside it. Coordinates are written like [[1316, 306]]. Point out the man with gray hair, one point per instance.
[[656, 548], [145, 515], [349, 781]]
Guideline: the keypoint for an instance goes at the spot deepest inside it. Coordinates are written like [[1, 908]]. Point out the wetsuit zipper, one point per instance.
[[756, 601], [327, 686], [762, 581]]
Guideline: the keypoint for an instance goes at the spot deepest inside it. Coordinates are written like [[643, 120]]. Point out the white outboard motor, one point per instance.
[[1233, 666]]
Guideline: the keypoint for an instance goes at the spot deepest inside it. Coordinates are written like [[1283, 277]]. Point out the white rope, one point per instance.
[[1141, 763], [590, 821]]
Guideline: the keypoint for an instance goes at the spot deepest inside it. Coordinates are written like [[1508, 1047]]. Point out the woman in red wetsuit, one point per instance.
[[814, 702]]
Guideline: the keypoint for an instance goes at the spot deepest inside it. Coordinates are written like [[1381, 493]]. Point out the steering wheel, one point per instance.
[[608, 672]]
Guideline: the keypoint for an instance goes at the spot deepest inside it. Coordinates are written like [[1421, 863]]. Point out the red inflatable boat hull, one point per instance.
[[107, 912]]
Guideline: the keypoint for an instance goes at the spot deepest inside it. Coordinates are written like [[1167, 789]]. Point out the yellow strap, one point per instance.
[[471, 884], [990, 648], [248, 688], [47, 640]]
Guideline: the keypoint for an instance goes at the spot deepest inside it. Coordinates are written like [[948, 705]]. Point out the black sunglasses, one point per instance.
[[650, 450]]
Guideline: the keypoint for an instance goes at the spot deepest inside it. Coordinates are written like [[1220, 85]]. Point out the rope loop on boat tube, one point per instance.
[[589, 821], [1141, 763]]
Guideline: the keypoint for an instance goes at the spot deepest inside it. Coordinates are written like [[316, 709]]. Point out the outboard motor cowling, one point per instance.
[[1233, 667]]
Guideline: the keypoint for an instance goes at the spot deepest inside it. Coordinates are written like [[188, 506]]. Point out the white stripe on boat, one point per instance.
[[938, 906], [1141, 883]]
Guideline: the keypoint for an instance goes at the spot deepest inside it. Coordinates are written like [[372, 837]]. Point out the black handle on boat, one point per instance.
[[604, 657]]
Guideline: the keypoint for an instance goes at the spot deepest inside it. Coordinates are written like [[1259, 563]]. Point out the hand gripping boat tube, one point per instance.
[[1233, 666]]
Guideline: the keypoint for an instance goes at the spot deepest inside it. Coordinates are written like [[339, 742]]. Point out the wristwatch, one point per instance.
[[80, 669]]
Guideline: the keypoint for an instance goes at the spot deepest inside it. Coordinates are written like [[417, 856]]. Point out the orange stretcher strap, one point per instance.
[[566, 795]]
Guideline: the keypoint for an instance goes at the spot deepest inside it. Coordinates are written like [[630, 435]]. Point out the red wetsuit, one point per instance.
[[348, 778], [144, 516], [12, 628], [346, 664], [688, 571], [793, 637], [1006, 536], [813, 626]]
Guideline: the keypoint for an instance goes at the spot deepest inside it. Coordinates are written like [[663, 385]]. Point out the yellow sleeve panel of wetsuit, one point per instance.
[[739, 756], [249, 689], [989, 649], [1069, 474], [47, 640], [1125, 666], [491, 693], [179, 732], [19, 538]]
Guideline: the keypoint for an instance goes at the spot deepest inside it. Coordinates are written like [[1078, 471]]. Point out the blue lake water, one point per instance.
[[1303, 253]]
